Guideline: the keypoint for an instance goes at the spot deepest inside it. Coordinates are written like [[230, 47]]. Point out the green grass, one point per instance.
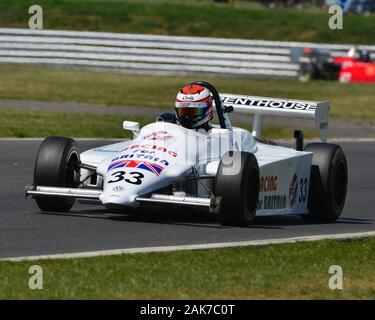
[[190, 18], [36, 123], [349, 101], [290, 271], [19, 123]]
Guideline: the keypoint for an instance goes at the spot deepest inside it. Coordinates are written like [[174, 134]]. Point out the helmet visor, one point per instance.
[[191, 109]]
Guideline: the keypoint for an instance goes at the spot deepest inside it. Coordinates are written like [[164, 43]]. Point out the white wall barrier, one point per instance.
[[152, 54]]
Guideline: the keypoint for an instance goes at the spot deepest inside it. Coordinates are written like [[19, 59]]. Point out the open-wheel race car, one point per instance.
[[226, 170], [355, 67]]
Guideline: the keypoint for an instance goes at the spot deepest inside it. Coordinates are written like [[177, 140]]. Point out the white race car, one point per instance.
[[227, 170]]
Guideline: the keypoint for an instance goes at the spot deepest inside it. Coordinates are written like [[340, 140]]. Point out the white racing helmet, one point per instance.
[[194, 107]]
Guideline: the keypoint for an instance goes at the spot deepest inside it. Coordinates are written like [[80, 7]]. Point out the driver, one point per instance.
[[194, 107], [364, 56]]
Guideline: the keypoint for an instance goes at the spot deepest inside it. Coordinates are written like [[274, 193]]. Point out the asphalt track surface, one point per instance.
[[25, 231]]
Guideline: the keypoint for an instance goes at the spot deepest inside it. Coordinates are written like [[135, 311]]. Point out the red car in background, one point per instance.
[[319, 64], [355, 70]]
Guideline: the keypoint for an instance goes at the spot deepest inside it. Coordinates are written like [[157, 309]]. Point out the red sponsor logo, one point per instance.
[[268, 184], [158, 136], [151, 147]]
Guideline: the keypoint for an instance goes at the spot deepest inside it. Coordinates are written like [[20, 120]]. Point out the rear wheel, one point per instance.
[[328, 182], [57, 165], [237, 183]]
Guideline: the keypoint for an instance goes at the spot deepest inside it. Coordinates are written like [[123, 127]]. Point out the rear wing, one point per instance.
[[299, 109]]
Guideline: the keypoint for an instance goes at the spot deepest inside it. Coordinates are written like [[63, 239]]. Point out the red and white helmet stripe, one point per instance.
[[194, 106]]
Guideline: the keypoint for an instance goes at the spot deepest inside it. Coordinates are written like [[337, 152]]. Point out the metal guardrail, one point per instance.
[[153, 54]]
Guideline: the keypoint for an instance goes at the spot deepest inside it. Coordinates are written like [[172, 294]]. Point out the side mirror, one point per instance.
[[132, 126]]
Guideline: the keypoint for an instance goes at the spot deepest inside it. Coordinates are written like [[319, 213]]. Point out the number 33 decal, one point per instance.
[[135, 178]]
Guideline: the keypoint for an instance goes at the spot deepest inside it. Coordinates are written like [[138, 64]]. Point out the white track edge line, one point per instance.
[[251, 243]]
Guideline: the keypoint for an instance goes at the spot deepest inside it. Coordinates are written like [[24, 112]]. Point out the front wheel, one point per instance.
[[237, 183], [57, 165], [328, 182]]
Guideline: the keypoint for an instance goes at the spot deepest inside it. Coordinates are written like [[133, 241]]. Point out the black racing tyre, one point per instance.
[[237, 183], [57, 165], [328, 182]]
